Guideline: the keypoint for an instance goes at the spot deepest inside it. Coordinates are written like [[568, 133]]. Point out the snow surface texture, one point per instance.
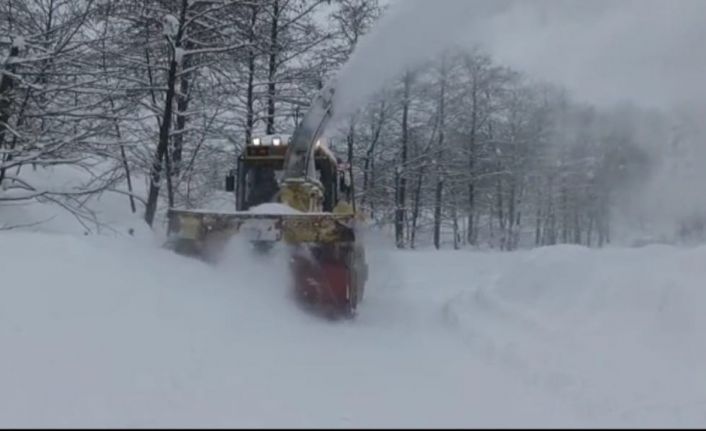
[[100, 331]]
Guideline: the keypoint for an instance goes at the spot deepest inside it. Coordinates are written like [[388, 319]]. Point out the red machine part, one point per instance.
[[323, 280]]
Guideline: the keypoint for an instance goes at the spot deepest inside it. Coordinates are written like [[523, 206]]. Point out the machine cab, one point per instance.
[[260, 168]]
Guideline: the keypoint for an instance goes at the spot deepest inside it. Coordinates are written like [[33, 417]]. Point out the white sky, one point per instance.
[[649, 51]]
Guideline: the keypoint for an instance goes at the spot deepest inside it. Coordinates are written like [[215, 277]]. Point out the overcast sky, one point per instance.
[[651, 52]]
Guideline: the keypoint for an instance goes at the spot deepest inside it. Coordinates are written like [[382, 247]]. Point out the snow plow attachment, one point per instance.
[[327, 264]]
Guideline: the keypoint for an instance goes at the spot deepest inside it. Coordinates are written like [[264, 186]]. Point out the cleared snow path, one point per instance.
[[108, 332]]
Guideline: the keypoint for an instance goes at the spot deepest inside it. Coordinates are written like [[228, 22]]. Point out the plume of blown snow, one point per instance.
[[604, 51], [410, 33]]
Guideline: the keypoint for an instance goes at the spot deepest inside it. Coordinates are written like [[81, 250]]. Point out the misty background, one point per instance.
[[467, 123]]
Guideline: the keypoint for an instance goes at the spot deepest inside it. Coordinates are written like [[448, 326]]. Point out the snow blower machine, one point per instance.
[[290, 189]]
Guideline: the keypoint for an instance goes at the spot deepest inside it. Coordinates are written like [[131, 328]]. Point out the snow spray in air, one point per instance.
[[260, 272], [411, 32], [604, 51]]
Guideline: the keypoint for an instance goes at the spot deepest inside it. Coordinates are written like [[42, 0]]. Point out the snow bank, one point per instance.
[[618, 332]]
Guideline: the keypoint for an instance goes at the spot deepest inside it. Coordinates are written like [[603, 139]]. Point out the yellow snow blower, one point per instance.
[[289, 189]]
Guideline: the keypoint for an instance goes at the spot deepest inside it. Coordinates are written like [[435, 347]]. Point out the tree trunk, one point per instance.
[[538, 225], [7, 84], [551, 231], [603, 224], [589, 231], [401, 180], [165, 128], [471, 162], [272, 70], [513, 215], [399, 228], [250, 102], [564, 215], [437, 211], [454, 215], [415, 209], [366, 170], [369, 163], [499, 210], [372, 188], [181, 118], [20, 115], [351, 143], [438, 197]]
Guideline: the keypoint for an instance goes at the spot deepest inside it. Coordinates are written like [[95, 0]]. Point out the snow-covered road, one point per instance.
[[111, 332]]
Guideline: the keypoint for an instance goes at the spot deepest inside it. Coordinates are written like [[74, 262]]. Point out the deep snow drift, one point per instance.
[[99, 331]]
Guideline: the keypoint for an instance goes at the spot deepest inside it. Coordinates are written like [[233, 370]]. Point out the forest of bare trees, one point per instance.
[[460, 151]]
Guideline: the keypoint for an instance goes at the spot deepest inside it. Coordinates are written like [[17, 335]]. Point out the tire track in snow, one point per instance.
[[506, 336]]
